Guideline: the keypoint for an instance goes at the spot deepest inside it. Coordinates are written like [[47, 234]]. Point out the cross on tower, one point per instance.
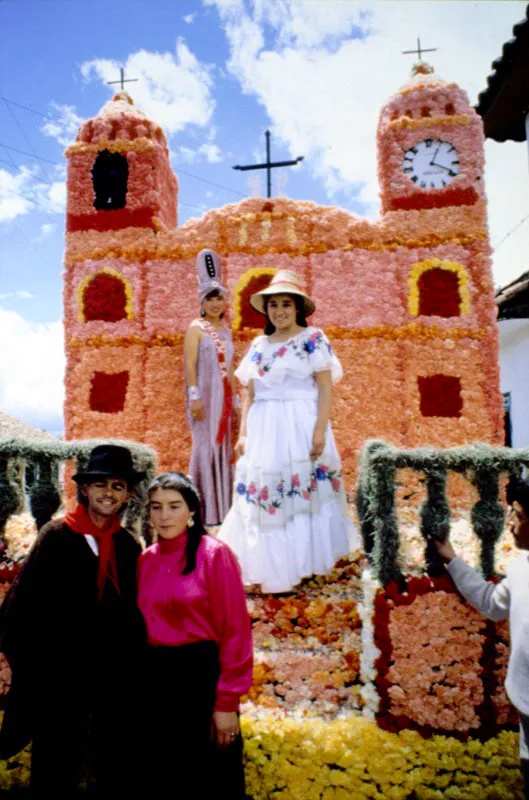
[[123, 80], [419, 50], [269, 165]]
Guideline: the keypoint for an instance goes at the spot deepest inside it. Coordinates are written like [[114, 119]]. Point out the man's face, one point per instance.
[[105, 497], [518, 523]]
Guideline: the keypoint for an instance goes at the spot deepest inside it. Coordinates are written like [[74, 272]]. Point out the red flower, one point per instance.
[[440, 396], [271, 510], [295, 481], [251, 488], [104, 299], [108, 392], [264, 493]]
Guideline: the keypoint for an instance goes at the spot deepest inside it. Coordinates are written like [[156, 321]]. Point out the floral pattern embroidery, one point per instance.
[[262, 497], [301, 350]]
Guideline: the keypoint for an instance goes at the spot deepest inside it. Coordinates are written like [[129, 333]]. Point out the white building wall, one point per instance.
[[514, 366]]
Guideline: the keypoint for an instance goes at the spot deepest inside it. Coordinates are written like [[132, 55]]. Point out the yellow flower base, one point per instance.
[[350, 759]]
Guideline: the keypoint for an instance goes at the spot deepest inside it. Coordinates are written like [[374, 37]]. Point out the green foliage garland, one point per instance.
[[481, 464]]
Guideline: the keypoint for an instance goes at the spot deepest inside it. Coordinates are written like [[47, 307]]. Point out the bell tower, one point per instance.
[[430, 146], [121, 193], [119, 175]]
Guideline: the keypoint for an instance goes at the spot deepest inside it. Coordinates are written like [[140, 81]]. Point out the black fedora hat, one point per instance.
[[109, 461]]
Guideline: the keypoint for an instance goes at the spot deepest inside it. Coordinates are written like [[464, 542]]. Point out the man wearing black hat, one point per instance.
[[73, 636]]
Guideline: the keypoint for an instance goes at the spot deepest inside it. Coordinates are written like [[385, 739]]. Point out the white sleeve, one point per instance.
[[492, 599], [246, 369], [321, 354]]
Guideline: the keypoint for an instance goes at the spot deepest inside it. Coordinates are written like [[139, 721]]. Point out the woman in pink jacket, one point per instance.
[[191, 595]]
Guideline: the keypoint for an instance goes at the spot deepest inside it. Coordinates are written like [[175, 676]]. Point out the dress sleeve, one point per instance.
[[245, 371], [232, 625], [492, 599], [321, 354]]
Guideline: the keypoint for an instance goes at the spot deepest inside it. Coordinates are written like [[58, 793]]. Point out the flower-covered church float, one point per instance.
[[408, 303], [407, 300]]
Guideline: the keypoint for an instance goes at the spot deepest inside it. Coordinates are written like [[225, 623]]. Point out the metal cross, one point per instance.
[[270, 165], [122, 80], [420, 50]]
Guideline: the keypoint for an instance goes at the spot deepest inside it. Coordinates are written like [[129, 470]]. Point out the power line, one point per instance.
[[25, 153], [49, 161], [26, 108], [512, 231], [211, 183], [26, 138]]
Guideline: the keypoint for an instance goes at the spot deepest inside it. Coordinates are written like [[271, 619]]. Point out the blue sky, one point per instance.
[[216, 74]]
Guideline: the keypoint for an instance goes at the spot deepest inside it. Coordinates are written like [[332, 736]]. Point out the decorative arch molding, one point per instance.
[[105, 295], [420, 268], [251, 281]]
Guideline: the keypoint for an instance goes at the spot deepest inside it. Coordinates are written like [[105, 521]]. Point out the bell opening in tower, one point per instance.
[[109, 177]]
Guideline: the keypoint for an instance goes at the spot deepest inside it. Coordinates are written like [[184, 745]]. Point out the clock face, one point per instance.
[[431, 164]]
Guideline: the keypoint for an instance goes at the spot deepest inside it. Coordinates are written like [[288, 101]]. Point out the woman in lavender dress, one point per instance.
[[208, 353]]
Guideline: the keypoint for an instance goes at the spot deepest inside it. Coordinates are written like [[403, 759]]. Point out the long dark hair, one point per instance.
[[179, 482], [300, 312]]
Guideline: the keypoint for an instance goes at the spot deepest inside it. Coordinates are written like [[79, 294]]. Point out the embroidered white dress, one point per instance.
[[289, 514]]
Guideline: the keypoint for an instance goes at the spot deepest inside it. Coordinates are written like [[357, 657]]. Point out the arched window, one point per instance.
[[439, 293], [252, 281], [438, 288], [108, 392], [109, 177], [104, 298]]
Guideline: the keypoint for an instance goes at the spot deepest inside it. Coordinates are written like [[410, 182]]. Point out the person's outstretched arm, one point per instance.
[[493, 600]]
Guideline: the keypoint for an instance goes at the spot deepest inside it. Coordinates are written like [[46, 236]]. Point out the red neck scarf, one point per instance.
[[79, 521]]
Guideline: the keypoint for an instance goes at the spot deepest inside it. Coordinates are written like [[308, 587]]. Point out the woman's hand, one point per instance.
[[318, 443], [197, 410], [240, 447], [445, 549], [226, 724]]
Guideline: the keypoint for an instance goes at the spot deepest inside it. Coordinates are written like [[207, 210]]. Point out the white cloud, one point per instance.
[[64, 128], [19, 293], [14, 201], [56, 197], [174, 89], [47, 229], [189, 18], [32, 370], [306, 24], [206, 152], [322, 71], [25, 192]]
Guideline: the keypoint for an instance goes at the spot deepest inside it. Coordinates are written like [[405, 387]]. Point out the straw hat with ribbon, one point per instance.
[[284, 282]]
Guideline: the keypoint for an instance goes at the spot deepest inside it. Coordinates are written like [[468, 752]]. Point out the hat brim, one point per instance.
[[257, 299], [89, 477]]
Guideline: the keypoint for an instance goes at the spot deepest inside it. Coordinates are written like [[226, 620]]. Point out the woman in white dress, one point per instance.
[[289, 515]]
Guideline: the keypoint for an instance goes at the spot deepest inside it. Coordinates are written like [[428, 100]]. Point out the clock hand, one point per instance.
[[434, 156], [440, 166]]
